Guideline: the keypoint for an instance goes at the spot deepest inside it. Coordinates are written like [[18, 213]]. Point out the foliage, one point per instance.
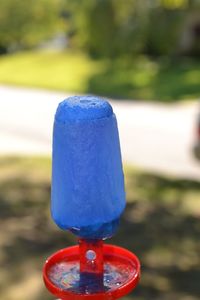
[[103, 28], [109, 28], [144, 78], [163, 38], [25, 23], [160, 224]]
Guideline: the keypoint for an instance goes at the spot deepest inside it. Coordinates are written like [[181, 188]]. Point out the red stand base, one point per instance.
[[75, 273]]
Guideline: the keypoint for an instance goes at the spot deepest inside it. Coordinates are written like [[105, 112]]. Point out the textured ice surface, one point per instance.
[[83, 108], [66, 275], [87, 176]]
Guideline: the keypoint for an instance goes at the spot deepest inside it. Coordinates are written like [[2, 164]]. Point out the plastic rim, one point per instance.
[[72, 253]]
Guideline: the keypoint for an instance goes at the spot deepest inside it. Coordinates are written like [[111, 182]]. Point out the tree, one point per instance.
[[111, 29], [24, 24]]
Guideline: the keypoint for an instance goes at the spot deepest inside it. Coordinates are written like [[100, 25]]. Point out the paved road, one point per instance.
[[153, 136]]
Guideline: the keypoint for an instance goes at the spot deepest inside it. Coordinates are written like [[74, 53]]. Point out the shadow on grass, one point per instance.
[[145, 79], [160, 224]]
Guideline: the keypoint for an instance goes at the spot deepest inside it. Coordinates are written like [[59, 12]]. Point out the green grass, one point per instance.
[[160, 224], [51, 70], [144, 78]]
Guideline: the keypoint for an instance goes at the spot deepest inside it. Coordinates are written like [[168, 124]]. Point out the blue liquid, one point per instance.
[[90, 283], [66, 275]]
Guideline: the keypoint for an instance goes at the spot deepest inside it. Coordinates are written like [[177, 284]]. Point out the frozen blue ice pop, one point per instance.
[[88, 193]]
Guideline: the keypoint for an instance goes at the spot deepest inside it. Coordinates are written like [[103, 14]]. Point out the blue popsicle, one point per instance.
[[88, 194]]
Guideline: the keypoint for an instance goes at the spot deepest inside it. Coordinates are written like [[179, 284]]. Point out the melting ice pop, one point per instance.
[[88, 194]]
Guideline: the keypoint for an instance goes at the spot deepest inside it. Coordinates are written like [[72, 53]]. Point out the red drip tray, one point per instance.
[[62, 276]]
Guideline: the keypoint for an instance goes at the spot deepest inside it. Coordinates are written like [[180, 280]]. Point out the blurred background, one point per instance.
[[145, 57]]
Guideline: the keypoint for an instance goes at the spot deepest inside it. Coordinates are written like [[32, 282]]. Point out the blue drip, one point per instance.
[[97, 231]]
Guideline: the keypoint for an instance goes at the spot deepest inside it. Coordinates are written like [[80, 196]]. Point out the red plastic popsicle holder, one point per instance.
[[91, 270]]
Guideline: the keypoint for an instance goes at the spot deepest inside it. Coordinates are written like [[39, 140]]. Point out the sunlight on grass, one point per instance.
[[143, 78], [51, 70], [192, 77]]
